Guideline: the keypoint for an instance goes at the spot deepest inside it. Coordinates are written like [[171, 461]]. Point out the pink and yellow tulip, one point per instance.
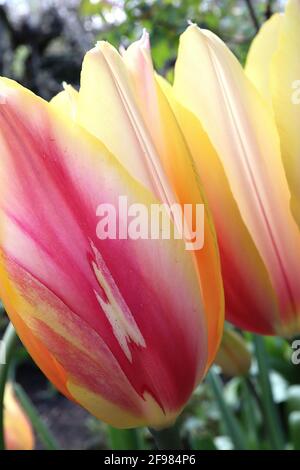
[[126, 328], [18, 432], [242, 128]]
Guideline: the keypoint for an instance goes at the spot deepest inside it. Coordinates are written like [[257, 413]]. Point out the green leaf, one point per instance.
[[39, 426], [294, 429]]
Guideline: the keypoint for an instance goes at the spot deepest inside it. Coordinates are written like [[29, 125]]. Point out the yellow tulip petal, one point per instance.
[[242, 130], [241, 263], [260, 56], [285, 81], [66, 101], [107, 108], [138, 61]]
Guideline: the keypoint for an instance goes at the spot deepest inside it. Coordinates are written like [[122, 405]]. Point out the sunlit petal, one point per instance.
[[285, 81], [259, 58], [243, 132], [239, 271]]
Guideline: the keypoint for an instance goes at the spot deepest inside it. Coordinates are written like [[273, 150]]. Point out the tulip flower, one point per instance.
[[18, 432], [124, 327], [243, 132], [233, 356]]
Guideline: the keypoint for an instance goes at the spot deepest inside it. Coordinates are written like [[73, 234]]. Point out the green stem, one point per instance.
[[233, 428], [252, 14], [42, 431], [2, 311], [248, 412], [270, 410], [9, 342], [125, 439], [167, 439]]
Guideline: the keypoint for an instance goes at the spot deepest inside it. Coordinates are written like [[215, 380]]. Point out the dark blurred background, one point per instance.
[[42, 43]]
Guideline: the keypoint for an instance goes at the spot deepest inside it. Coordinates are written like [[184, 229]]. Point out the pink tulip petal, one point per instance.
[[114, 301]]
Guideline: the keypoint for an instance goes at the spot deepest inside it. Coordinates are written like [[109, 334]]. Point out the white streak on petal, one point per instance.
[[115, 308]]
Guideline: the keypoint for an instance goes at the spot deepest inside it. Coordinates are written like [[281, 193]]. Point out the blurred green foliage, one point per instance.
[[42, 43], [167, 19]]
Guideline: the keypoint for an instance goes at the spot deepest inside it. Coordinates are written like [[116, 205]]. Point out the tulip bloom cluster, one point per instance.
[[127, 328]]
